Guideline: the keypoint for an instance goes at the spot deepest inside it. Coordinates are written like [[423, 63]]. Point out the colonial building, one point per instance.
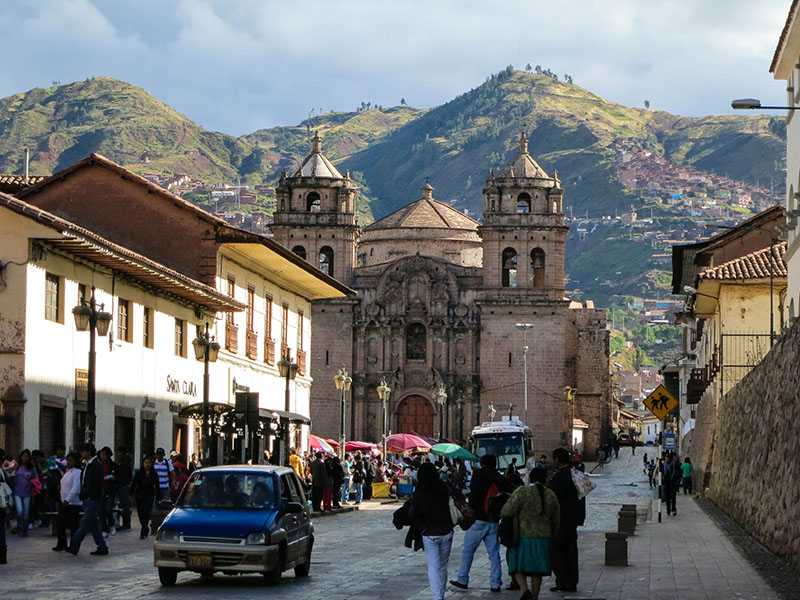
[[164, 269], [446, 302]]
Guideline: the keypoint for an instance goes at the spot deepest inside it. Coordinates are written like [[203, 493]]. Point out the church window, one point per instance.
[[509, 264], [555, 206], [300, 251], [312, 202], [537, 268], [326, 260], [416, 342], [524, 203]]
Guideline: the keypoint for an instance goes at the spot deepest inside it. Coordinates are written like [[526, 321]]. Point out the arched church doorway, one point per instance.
[[415, 413]]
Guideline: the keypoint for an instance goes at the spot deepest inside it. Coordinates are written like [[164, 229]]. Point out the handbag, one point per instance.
[[455, 514], [35, 486], [583, 485], [508, 531]]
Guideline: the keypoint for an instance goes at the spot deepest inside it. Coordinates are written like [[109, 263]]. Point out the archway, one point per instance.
[[415, 413]]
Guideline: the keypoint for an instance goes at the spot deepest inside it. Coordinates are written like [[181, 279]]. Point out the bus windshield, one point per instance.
[[505, 446]]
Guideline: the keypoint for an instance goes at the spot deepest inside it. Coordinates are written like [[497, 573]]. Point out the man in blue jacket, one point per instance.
[[92, 496], [486, 482]]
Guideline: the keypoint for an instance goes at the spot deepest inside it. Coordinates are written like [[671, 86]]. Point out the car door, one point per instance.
[[304, 518], [290, 520]]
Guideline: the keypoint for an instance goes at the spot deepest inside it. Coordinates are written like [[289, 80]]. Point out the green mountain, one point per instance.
[[392, 151]]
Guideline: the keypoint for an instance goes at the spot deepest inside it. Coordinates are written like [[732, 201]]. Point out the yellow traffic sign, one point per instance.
[[660, 402]]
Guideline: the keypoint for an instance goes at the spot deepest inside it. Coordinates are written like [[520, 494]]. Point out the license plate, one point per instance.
[[199, 561]]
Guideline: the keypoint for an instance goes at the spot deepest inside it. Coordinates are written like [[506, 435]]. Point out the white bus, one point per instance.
[[507, 440]]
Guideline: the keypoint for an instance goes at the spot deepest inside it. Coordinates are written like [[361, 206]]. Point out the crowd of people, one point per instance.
[[543, 512], [85, 492], [675, 474]]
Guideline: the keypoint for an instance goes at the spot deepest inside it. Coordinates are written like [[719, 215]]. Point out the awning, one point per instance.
[[282, 414], [216, 409]]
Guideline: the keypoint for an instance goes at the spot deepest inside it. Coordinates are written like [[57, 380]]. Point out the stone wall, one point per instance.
[[755, 472]]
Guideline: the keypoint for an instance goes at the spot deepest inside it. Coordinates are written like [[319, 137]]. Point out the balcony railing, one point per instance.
[[269, 351], [301, 362], [232, 337], [697, 384], [252, 344]]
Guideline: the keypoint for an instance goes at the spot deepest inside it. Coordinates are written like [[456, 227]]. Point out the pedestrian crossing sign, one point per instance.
[[660, 402]]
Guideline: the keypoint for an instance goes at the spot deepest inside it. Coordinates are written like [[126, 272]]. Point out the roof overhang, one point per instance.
[[788, 48]]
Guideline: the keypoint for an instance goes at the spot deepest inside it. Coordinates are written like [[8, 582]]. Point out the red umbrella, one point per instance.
[[354, 446], [319, 445], [406, 442], [334, 444]]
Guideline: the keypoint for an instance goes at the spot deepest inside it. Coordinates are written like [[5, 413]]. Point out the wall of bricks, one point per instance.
[[754, 472]]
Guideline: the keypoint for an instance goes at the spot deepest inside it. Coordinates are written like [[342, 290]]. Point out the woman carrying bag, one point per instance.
[[430, 513], [537, 510]]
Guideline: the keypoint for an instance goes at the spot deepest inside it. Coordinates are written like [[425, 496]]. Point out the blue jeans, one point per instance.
[[23, 506], [90, 522], [481, 531], [437, 552], [346, 490], [359, 492]]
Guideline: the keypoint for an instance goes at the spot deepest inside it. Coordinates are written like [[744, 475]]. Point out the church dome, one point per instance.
[[427, 212]]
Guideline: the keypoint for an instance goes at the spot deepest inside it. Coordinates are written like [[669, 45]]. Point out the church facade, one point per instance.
[[445, 303]]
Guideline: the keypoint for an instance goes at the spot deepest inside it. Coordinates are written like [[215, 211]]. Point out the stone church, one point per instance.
[[447, 302]]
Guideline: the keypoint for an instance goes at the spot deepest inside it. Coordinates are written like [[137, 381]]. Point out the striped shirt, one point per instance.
[[162, 469]]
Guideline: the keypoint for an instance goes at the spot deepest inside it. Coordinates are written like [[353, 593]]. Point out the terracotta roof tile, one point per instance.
[[751, 266], [426, 212]]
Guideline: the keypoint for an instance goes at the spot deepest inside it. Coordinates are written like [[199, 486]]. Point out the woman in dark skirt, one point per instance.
[[536, 508]]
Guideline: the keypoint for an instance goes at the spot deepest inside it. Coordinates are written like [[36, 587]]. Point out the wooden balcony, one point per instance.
[[301, 362], [252, 344], [231, 337], [269, 351]]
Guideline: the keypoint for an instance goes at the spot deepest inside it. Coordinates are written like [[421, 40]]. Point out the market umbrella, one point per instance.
[[406, 442], [319, 445], [453, 451], [333, 443], [354, 446]]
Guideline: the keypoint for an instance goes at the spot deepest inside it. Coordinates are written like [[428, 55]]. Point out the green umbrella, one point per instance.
[[453, 451]]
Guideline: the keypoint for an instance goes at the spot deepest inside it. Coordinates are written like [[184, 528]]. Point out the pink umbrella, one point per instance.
[[334, 444], [354, 446], [406, 442]]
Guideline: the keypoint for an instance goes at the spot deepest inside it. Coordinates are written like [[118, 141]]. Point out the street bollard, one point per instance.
[[626, 519], [616, 549]]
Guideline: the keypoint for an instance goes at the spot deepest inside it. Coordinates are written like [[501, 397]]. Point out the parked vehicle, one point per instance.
[[507, 439], [625, 439], [237, 519]]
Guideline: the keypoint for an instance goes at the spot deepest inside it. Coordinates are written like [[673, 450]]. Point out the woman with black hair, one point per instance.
[[430, 513], [537, 509]]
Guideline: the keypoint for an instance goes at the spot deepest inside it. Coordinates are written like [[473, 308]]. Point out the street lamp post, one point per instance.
[[460, 404], [441, 398], [287, 370], [525, 327], [384, 391], [207, 350], [88, 318], [343, 382]]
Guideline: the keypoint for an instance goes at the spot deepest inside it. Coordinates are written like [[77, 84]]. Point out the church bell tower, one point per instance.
[[315, 214], [523, 230]]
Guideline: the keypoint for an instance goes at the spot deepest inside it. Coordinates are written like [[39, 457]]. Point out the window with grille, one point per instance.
[[299, 329], [232, 294], [180, 337], [51, 297], [123, 320], [285, 324], [268, 319], [147, 327], [251, 302]]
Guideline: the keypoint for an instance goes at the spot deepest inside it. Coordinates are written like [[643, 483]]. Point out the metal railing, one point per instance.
[[739, 354]]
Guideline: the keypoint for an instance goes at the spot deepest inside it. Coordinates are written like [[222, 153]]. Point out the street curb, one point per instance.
[[335, 511]]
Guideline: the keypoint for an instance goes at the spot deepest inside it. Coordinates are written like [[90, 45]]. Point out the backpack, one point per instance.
[[490, 493], [6, 493]]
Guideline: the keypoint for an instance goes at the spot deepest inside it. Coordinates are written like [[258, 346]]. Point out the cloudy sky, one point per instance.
[[240, 65]]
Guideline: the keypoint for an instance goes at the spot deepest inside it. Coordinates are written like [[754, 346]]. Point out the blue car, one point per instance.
[[237, 519]]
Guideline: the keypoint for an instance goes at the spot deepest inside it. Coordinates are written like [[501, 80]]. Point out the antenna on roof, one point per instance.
[[27, 163]]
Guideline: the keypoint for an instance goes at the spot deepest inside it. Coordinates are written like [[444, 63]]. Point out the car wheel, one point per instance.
[[273, 578], [167, 576], [302, 570]]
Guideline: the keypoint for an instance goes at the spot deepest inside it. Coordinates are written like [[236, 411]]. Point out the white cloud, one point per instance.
[[237, 66]]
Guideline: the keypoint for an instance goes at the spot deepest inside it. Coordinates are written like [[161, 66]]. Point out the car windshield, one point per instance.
[[504, 446], [229, 490]]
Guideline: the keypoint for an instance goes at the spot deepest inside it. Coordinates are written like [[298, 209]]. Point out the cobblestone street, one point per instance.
[[360, 555]]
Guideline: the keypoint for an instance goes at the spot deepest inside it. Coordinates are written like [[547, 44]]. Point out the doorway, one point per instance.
[[415, 413]]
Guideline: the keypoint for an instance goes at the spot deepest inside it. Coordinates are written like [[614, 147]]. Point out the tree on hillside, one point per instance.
[[647, 103], [567, 78], [403, 102], [528, 67], [538, 69]]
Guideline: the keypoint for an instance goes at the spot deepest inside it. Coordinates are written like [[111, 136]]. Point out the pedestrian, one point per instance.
[[318, 473], [337, 475], [5, 497], [166, 474], [369, 477], [91, 495], [459, 476], [345, 493], [537, 510], [69, 507], [358, 480], [107, 519], [327, 489], [564, 552], [430, 511], [181, 477], [686, 472], [511, 470], [124, 477], [542, 463], [24, 475], [296, 463], [195, 463], [144, 490], [644, 462], [672, 479], [616, 447], [651, 473], [486, 482]]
